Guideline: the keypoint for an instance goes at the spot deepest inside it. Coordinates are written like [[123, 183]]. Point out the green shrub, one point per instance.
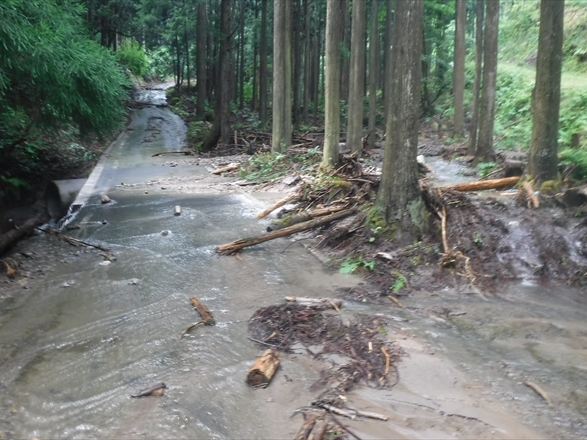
[[132, 56]]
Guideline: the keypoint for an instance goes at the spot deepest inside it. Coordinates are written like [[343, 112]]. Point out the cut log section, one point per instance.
[[316, 303], [263, 369], [279, 204], [235, 246], [483, 184], [184, 152]]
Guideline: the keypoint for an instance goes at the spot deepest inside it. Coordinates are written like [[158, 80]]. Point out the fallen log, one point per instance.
[[206, 315], [319, 430], [237, 245], [263, 369], [304, 216], [306, 428], [483, 184], [226, 169], [11, 237], [279, 204], [316, 303]]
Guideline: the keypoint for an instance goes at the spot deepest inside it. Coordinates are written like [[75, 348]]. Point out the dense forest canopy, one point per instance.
[[67, 66]]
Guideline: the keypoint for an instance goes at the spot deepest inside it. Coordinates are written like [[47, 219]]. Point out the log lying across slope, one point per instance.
[[483, 184], [235, 246]]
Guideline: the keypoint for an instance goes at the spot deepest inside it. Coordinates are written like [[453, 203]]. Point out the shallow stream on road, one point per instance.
[[86, 331]]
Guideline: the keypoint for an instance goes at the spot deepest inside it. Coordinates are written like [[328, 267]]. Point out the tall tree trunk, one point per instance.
[[187, 57], [263, 66], [307, 61], [281, 133], [332, 85], [399, 191], [357, 79], [201, 61], [485, 151], [387, 39], [241, 73], [346, 44], [458, 82], [543, 162], [478, 76], [297, 63], [288, 71], [317, 72], [221, 132], [373, 71]]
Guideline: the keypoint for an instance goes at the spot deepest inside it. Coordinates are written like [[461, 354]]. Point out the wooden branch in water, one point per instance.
[[73, 241], [9, 238], [207, 317], [319, 430], [263, 369], [279, 204], [484, 184], [235, 246], [540, 392], [316, 303], [533, 200]]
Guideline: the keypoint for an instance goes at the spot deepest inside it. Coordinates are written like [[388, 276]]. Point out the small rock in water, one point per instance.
[[164, 233], [134, 281], [105, 263], [105, 199], [67, 284]]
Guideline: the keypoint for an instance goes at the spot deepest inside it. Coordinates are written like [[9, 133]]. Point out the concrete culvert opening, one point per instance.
[[60, 194]]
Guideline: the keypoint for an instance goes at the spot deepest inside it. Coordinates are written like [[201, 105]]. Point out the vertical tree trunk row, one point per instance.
[[357, 78]]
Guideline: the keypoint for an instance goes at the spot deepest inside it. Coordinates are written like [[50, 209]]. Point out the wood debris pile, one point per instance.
[[360, 341]]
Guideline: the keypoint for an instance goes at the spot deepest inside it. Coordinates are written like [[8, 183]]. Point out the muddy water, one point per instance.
[[86, 335], [86, 331]]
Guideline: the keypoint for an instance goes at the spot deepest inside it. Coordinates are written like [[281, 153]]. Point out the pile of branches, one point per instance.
[[371, 358]]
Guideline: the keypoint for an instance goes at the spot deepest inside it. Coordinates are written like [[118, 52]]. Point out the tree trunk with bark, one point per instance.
[[543, 162], [307, 61], [201, 61], [459, 68], [221, 132], [399, 191], [473, 130], [281, 133], [373, 71], [332, 85], [484, 151], [263, 66], [357, 78]]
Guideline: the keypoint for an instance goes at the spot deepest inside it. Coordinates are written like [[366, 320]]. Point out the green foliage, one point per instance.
[[158, 62], [52, 75], [399, 283], [132, 56], [485, 168], [513, 118], [573, 116], [578, 159], [352, 264]]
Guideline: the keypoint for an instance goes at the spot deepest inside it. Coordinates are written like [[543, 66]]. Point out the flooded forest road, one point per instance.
[[82, 331]]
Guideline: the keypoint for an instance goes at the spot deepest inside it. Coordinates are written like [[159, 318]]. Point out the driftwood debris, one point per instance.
[[279, 204], [155, 390], [184, 152], [263, 369], [350, 412], [207, 318], [226, 169], [307, 427], [11, 237], [316, 303], [235, 246], [483, 184], [303, 216], [540, 392]]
